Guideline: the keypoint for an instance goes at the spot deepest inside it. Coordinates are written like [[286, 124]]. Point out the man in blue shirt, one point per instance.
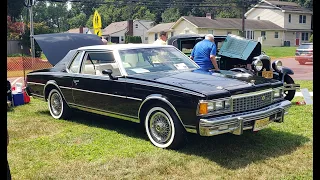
[[204, 53]]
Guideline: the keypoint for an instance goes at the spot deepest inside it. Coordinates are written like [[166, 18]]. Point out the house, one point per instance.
[[296, 20], [83, 30], [154, 31], [268, 33], [117, 31]]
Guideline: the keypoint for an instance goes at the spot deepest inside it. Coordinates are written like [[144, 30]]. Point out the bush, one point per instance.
[[133, 39], [311, 38]]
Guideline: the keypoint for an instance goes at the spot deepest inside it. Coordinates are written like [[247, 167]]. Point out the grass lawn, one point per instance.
[[94, 147], [279, 52]]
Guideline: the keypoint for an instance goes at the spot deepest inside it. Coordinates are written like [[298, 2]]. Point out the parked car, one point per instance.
[[156, 86], [238, 54], [304, 53]]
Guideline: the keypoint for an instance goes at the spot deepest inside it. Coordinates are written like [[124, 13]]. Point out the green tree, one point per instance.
[[14, 9], [39, 28], [77, 21], [170, 15]]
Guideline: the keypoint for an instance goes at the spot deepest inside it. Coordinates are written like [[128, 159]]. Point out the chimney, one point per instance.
[[81, 30], [130, 28], [208, 15]]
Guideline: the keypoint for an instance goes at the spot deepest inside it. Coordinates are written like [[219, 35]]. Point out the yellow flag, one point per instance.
[[97, 23]]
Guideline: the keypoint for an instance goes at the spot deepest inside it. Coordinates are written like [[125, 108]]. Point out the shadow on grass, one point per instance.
[[227, 150]]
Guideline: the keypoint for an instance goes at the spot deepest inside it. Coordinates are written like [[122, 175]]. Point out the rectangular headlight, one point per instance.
[[277, 93], [212, 106]]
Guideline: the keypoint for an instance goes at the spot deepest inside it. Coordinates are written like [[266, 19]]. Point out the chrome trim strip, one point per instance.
[[206, 125], [163, 99], [119, 96], [106, 113], [35, 83], [251, 94], [191, 130]]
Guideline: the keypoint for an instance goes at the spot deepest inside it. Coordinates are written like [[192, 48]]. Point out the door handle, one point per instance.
[[76, 82]]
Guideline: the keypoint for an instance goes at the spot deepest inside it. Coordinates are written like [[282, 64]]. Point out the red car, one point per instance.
[[304, 53]]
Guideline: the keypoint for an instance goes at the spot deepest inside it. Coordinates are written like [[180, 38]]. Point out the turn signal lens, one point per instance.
[[203, 108]]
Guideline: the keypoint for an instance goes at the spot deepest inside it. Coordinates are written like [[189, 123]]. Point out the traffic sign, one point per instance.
[[96, 20]]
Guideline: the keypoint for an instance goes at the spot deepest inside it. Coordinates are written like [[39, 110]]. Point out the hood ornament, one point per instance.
[[219, 87], [252, 81]]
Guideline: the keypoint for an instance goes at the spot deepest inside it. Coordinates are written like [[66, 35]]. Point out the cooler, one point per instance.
[[18, 99]]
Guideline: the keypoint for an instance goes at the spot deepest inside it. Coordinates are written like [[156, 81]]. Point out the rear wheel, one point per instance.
[[289, 94], [164, 128], [57, 106]]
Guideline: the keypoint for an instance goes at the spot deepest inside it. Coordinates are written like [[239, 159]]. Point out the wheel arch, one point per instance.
[[156, 98], [52, 84]]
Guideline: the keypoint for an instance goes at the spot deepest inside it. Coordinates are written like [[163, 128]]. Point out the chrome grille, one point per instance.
[[251, 101]]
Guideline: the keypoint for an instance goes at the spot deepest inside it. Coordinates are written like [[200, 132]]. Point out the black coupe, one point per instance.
[[157, 86]]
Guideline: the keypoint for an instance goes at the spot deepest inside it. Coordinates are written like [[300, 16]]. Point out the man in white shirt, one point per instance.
[[162, 40]]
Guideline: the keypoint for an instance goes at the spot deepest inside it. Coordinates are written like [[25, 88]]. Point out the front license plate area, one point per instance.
[[260, 124], [267, 74]]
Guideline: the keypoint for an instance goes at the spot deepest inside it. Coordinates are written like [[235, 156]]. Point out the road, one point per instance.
[[301, 72]]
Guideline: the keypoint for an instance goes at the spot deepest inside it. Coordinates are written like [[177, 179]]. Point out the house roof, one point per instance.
[[280, 5], [289, 6], [115, 27], [77, 30], [230, 23], [161, 27]]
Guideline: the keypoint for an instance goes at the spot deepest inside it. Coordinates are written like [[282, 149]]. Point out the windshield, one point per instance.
[[145, 60], [306, 46]]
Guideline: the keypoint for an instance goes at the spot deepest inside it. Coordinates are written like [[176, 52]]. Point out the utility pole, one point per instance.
[[29, 4], [243, 22]]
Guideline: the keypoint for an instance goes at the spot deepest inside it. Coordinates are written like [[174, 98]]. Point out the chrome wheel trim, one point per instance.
[[55, 103], [154, 112], [160, 127]]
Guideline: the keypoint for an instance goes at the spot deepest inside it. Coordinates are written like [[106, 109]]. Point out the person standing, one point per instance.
[[204, 54], [162, 40]]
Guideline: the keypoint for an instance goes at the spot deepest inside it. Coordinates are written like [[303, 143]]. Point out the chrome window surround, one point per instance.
[[231, 101]]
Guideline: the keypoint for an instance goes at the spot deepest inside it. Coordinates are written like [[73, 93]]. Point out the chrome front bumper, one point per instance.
[[288, 87], [236, 123]]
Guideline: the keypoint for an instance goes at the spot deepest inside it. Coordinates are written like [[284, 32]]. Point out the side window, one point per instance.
[[75, 65], [96, 62]]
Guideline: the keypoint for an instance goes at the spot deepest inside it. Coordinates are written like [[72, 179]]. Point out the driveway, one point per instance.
[[301, 72]]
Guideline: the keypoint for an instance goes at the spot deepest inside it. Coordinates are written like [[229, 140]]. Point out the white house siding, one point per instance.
[[185, 27], [270, 39], [140, 28], [295, 21], [118, 34], [275, 16]]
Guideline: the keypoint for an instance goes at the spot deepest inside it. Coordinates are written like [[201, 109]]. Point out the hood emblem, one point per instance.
[[252, 81], [219, 87]]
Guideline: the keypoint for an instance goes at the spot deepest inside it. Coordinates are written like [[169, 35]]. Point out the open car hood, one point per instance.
[[55, 46]]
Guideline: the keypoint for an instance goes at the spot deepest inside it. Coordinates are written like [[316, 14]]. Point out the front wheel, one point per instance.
[[289, 94], [164, 128], [57, 106]]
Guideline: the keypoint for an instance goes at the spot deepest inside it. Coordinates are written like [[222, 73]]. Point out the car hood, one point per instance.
[[56, 45], [210, 83]]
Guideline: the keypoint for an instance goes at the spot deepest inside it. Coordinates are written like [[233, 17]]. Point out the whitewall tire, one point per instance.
[[57, 106], [164, 128]]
